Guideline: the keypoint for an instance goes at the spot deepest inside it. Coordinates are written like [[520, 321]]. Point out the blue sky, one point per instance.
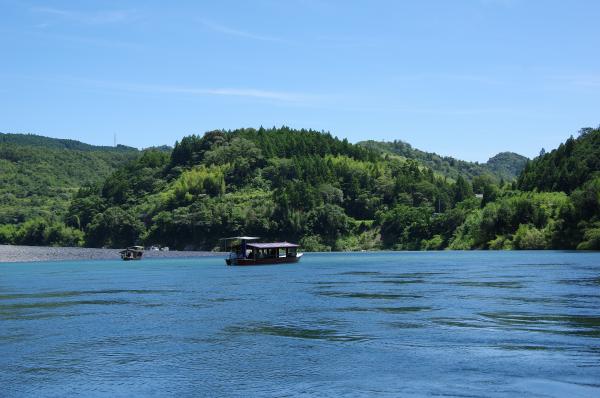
[[464, 78]]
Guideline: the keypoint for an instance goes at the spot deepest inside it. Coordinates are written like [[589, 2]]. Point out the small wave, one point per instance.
[[373, 296], [294, 331]]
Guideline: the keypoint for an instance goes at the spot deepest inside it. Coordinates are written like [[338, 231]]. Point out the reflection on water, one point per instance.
[[399, 281], [295, 331], [460, 323], [370, 324], [76, 293], [360, 273], [401, 310], [496, 284], [6, 308], [369, 296], [528, 347], [541, 323], [405, 325], [544, 319], [584, 325], [392, 310], [582, 281]]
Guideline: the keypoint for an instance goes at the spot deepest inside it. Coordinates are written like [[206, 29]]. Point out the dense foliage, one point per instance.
[[39, 176], [326, 193], [566, 168], [276, 183]]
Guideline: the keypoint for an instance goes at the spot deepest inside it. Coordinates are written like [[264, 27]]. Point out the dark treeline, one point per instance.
[[328, 194]]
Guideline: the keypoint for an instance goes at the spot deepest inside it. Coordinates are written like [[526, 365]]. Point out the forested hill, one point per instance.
[[566, 168], [326, 193], [39, 175], [505, 165], [278, 183], [297, 185]]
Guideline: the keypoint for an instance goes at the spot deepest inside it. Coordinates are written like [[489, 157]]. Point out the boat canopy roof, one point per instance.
[[242, 238], [133, 249], [273, 245]]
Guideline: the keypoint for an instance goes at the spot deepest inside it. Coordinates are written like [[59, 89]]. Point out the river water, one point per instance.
[[463, 324]]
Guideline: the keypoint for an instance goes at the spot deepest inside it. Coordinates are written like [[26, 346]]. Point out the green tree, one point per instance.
[[462, 190], [115, 227], [529, 237]]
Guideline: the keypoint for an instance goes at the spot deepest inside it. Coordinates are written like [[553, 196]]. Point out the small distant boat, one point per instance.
[[246, 252], [132, 253]]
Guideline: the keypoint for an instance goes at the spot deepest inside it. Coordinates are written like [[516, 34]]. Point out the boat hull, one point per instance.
[[131, 258], [263, 261]]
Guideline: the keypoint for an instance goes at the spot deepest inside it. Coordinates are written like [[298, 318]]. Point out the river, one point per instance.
[[497, 324]]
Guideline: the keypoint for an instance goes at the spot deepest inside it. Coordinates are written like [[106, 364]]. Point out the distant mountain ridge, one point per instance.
[[507, 164], [504, 165], [58, 143]]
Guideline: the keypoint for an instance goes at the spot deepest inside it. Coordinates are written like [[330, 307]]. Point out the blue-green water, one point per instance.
[[385, 324]]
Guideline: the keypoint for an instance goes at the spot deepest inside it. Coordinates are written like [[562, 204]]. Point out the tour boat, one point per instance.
[[248, 252], [132, 253]]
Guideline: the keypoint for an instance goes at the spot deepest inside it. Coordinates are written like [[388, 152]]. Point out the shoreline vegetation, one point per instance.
[[304, 186]]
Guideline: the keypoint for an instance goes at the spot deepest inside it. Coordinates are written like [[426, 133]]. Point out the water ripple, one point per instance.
[[295, 331], [369, 296], [58, 294]]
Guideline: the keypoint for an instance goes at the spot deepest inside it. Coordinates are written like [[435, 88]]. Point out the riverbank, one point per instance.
[[12, 253]]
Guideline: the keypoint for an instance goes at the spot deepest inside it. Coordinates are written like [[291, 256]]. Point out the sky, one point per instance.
[[465, 78]]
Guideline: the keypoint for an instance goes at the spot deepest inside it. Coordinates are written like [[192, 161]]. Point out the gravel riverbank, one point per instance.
[[10, 254]]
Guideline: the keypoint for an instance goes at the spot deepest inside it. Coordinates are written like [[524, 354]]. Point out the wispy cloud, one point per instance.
[[437, 111], [502, 3], [239, 33], [252, 93], [87, 17], [324, 101], [232, 92], [449, 77], [462, 111], [580, 80], [95, 41], [42, 35]]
